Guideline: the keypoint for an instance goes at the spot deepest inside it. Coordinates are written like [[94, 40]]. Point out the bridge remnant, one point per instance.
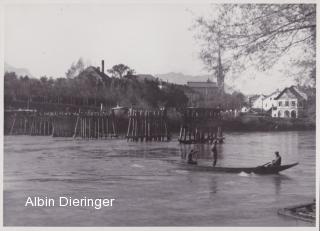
[[147, 125], [201, 125], [85, 125]]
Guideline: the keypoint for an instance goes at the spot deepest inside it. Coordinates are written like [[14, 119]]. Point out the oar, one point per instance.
[[264, 164]]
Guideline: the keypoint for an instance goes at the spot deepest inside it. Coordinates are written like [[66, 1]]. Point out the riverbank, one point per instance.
[[254, 123], [263, 123]]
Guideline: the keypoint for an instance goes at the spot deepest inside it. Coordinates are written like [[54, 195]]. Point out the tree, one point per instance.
[[259, 34], [174, 96], [213, 49], [75, 69], [120, 70], [11, 85]]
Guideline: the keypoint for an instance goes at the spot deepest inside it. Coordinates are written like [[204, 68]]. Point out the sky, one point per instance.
[[150, 38]]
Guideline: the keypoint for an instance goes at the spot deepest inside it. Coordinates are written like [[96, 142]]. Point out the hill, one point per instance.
[[18, 71]]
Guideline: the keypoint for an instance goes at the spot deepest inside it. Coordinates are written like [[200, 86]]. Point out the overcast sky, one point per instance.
[[152, 39]]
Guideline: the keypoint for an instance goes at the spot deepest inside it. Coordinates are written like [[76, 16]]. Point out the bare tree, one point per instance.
[[259, 34]]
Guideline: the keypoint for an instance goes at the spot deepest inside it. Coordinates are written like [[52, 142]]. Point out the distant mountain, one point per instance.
[[18, 71], [180, 78]]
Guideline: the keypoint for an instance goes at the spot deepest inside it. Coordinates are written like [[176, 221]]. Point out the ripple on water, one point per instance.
[[152, 187], [244, 174]]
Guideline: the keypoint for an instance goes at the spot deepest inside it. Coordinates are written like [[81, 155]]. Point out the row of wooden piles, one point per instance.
[[192, 114], [189, 134], [201, 125], [90, 125], [147, 125], [29, 125], [95, 126]]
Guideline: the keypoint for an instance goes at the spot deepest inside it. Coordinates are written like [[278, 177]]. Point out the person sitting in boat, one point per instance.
[[190, 157], [277, 161]]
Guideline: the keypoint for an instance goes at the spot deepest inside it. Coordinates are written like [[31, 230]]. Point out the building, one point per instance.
[[206, 89], [291, 103], [250, 99], [269, 101], [200, 93], [244, 109], [257, 103], [265, 102]]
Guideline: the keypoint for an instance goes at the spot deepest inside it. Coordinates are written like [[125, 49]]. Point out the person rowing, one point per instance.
[[277, 161], [274, 163], [190, 157]]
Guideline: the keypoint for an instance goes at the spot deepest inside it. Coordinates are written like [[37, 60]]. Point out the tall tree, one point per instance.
[[260, 34], [213, 48]]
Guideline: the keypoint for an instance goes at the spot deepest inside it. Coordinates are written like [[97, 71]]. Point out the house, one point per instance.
[[250, 99], [269, 101], [245, 109], [257, 103], [291, 103], [94, 73], [265, 102]]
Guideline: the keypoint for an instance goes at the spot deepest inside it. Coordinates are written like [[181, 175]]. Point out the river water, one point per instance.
[[152, 186]]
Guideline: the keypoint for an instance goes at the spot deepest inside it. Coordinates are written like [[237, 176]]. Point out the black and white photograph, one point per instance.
[[159, 114]]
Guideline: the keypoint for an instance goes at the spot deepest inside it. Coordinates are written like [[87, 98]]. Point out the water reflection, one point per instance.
[[278, 181], [213, 186], [183, 151]]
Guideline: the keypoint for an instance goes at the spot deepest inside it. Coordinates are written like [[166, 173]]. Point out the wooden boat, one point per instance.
[[256, 170]]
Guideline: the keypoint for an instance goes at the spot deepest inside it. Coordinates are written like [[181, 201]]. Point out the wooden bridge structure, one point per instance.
[[146, 125], [135, 124], [198, 125], [85, 125], [201, 125]]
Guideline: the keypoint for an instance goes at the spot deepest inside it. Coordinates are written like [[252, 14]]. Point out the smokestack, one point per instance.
[[102, 66]]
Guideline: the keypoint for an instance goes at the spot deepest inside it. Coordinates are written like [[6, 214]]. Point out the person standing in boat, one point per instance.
[[215, 153], [277, 161], [190, 157]]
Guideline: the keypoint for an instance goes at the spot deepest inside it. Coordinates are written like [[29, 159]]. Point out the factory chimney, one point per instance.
[[102, 66]]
